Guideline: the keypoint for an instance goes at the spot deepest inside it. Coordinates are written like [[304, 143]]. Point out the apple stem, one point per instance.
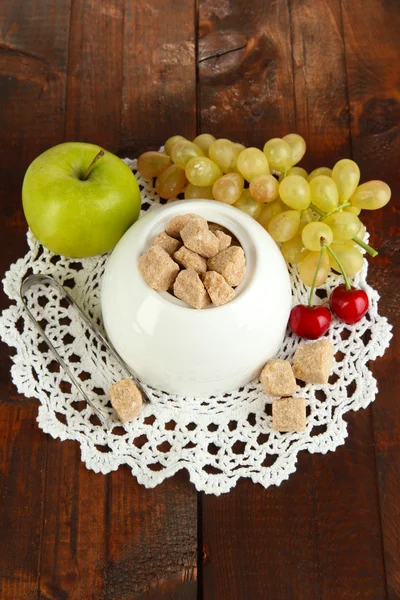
[[321, 253], [94, 161], [335, 257], [366, 247]]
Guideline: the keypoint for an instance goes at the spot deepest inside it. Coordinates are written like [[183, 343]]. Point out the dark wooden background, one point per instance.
[[127, 75]]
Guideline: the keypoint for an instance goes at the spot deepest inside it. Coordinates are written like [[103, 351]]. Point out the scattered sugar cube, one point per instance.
[[170, 244], [190, 260], [219, 291], [126, 399], [313, 362], [200, 240], [230, 263], [289, 414], [278, 379], [158, 268], [178, 223], [189, 288], [223, 239]]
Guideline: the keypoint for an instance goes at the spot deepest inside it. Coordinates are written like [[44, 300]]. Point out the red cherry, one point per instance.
[[349, 305], [310, 322]]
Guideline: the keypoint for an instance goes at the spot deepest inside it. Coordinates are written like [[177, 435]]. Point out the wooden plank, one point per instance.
[[75, 532], [297, 521], [95, 73], [372, 50], [152, 550], [153, 539], [159, 91], [33, 59]]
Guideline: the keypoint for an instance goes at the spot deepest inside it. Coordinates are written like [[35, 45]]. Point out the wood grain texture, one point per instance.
[[95, 62], [159, 90], [33, 61], [372, 53], [339, 520]]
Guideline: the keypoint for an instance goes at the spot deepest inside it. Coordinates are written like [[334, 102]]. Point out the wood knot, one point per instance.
[[220, 52]]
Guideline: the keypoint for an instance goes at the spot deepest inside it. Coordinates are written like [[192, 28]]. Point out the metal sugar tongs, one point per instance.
[[32, 280]]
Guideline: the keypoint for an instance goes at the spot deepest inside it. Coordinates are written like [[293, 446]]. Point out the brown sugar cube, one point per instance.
[[313, 362], [190, 260], [230, 263], [200, 240], [189, 288], [289, 414], [158, 268], [219, 291], [126, 399], [170, 244], [217, 227], [223, 239], [278, 379], [178, 223]]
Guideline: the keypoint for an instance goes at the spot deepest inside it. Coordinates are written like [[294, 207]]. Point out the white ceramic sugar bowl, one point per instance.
[[192, 352]]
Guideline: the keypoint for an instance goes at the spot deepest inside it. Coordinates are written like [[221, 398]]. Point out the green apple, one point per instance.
[[79, 199]]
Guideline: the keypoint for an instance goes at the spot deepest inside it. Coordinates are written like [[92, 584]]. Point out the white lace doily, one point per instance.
[[217, 439]]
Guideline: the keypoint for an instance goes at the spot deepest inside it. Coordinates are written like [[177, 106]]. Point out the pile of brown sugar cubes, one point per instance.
[[197, 261], [312, 363]]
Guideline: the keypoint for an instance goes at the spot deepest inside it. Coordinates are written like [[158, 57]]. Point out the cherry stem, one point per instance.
[[371, 251], [321, 253], [335, 257], [94, 161]]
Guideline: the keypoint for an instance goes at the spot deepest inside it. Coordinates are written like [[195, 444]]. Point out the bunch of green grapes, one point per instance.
[[302, 212]]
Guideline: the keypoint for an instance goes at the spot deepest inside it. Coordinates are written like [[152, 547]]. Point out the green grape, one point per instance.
[[239, 147], [371, 195], [314, 233], [248, 205], [298, 171], [297, 145], [204, 141], [202, 171], [320, 171], [293, 250], [295, 191], [264, 188], [324, 193], [269, 211], [308, 267], [151, 164], [198, 191], [279, 154], [307, 216], [224, 153], [252, 162], [352, 209], [171, 141], [361, 232], [344, 225], [346, 175], [350, 258], [183, 151], [228, 188], [170, 182], [284, 226]]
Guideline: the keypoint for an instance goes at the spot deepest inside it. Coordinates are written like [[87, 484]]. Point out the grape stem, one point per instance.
[[371, 251], [335, 257], [321, 253], [338, 208], [318, 211]]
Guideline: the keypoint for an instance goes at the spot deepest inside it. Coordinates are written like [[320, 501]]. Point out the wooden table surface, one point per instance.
[[127, 75]]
